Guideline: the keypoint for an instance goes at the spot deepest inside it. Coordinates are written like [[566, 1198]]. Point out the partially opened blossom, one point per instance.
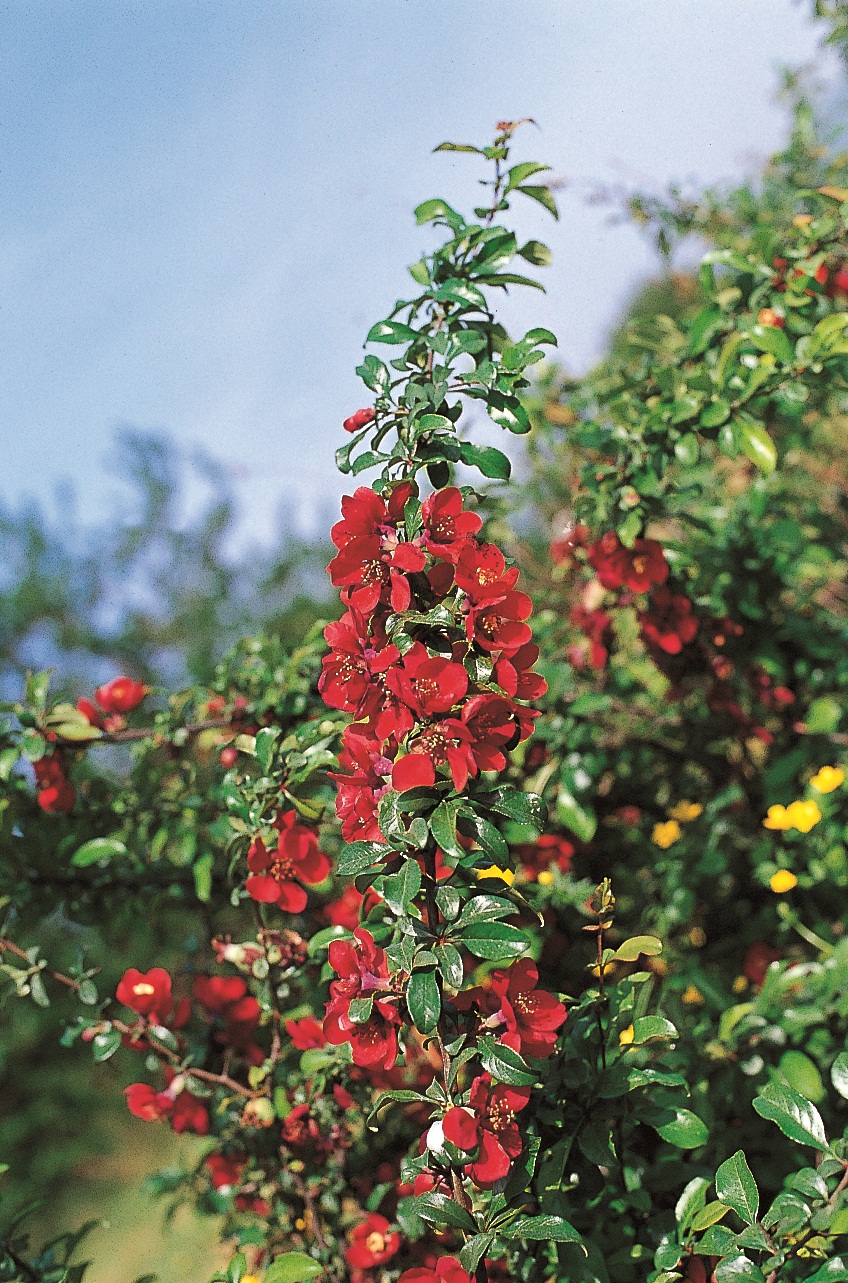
[[363, 972], [306, 1033], [120, 695], [446, 1270]]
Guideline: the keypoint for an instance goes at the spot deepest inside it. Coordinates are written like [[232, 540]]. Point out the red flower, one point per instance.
[[446, 1270], [597, 625], [532, 1016], [90, 712], [445, 743], [299, 1130], [446, 527], [636, 568], [495, 724], [353, 676], [362, 781], [758, 959], [120, 695], [372, 563], [372, 1243], [219, 993], [145, 1102], [499, 623], [306, 1033], [363, 972], [549, 849], [56, 794], [189, 1114], [358, 419], [146, 993], [225, 1170], [513, 674], [481, 572], [429, 686], [490, 1128], [668, 624], [276, 878]]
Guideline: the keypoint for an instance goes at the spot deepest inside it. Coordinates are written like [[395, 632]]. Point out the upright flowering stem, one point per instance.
[[433, 662]]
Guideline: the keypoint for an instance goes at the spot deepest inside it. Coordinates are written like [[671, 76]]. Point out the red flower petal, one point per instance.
[[413, 771]]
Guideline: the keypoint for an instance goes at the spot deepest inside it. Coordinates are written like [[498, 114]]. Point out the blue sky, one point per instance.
[[205, 205]]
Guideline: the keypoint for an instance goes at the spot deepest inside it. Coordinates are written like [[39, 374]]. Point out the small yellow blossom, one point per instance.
[[300, 1224], [698, 937], [251, 1278], [803, 815], [626, 1036], [783, 880], [685, 811], [692, 995], [740, 984], [665, 834], [828, 779], [505, 875], [545, 878], [777, 818]]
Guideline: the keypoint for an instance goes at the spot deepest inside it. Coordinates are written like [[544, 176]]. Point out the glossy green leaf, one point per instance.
[[438, 1209], [543, 195], [97, 849], [686, 1130], [839, 1073], [496, 940], [735, 1186], [796, 1117], [504, 1064], [292, 1267], [541, 1229], [424, 1000], [738, 1269], [754, 442], [489, 461]]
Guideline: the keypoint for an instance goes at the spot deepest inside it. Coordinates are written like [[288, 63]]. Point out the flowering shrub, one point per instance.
[[527, 960]]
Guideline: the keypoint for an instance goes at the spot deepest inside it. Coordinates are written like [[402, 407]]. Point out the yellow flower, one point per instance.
[[828, 779], [698, 937], [740, 984], [777, 818], [783, 880], [685, 811], [692, 995], [251, 1278], [803, 815], [626, 1036], [665, 834], [505, 875], [545, 878]]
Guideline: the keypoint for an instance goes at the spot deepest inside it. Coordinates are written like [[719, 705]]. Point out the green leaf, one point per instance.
[[443, 828], [735, 1186], [647, 1028], [630, 950], [736, 1269], [401, 888], [796, 1117], [97, 849], [358, 856], [401, 1095], [292, 1267], [691, 1202], [537, 253], [754, 442], [686, 1130], [474, 1251], [438, 1209], [491, 462], [429, 211], [87, 992], [709, 1215], [839, 1073], [524, 808], [507, 412], [770, 338], [390, 332], [424, 1000], [714, 415], [518, 173], [202, 873], [541, 1228], [485, 908], [458, 147], [495, 940], [543, 196], [105, 1044], [802, 1074], [505, 1065], [579, 819]]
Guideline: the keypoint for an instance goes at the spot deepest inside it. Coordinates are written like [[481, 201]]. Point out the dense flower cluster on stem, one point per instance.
[[454, 701]]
